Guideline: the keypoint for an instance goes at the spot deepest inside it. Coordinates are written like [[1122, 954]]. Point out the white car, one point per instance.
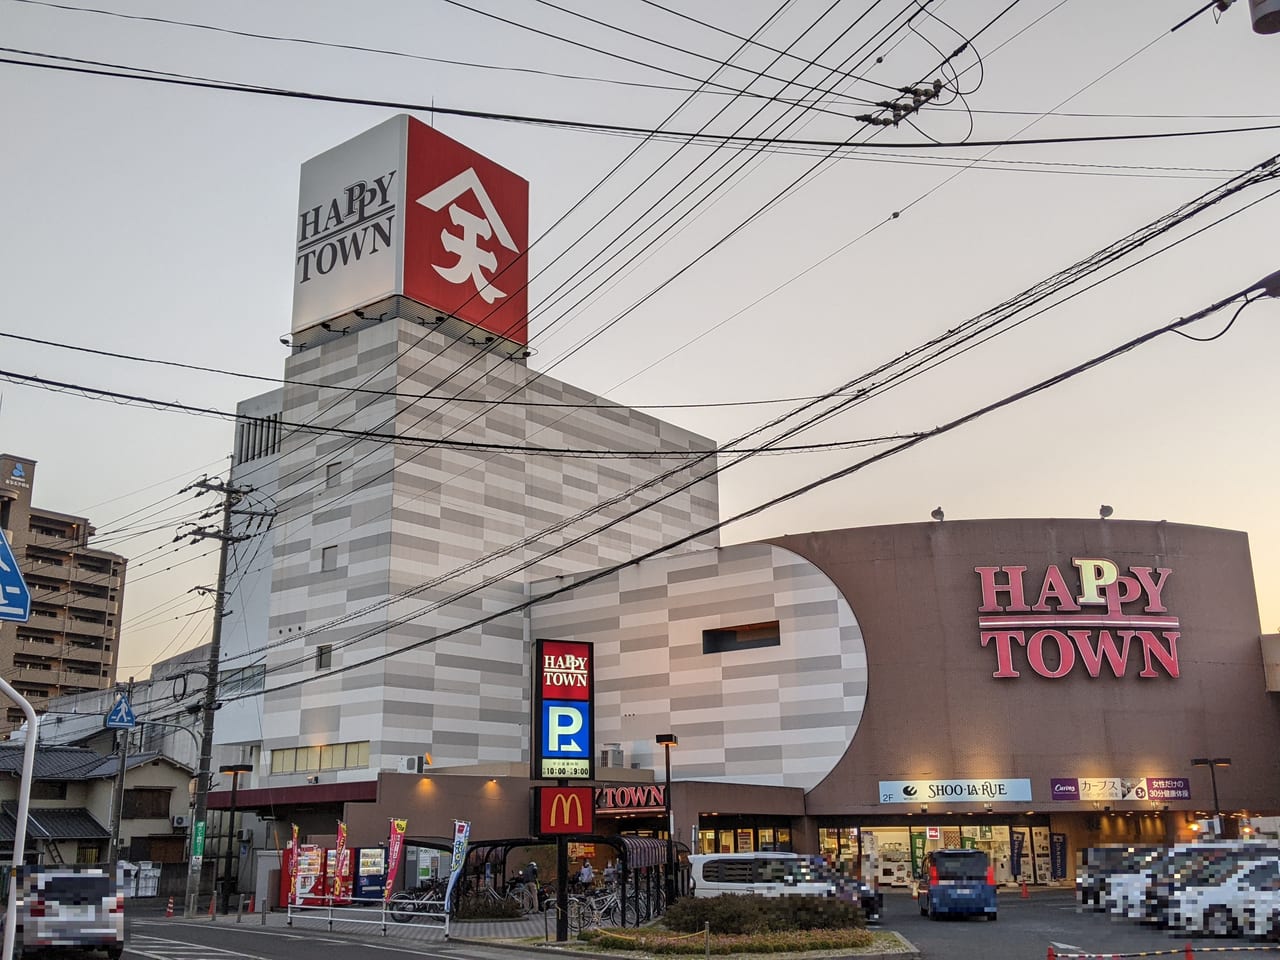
[[1142, 892], [1261, 913], [1216, 900]]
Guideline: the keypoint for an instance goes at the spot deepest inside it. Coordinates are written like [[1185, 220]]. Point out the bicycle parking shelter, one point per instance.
[[641, 862]]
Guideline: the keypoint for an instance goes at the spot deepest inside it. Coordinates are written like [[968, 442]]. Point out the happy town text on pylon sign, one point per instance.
[[1093, 616]]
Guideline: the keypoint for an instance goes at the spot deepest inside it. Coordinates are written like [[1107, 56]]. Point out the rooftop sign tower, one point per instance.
[[404, 221]]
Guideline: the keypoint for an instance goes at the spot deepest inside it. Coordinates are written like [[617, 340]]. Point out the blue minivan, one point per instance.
[[957, 882]]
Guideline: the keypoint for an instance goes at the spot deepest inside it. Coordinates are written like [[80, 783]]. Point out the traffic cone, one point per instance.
[[1025, 895], [168, 911], [1190, 953], [213, 904], [249, 909], [1052, 955]]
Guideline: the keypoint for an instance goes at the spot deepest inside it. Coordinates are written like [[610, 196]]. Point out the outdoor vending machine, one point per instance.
[[371, 872], [330, 886], [310, 873]]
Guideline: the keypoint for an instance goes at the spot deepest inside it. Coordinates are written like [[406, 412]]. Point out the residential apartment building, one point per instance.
[[71, 641]]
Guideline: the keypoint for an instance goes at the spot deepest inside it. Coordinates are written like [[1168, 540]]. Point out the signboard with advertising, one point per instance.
[[630, 799], [404, 210], [1157, 789], [1093, 617], [395, 850], [564, 810], [563, 743], [954, 791]]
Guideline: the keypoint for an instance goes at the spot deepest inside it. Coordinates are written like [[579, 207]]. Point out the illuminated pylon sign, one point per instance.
[[564, 810], [563, 746]]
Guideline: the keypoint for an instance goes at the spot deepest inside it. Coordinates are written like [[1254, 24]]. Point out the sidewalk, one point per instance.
[[364, 922], [526, 934]]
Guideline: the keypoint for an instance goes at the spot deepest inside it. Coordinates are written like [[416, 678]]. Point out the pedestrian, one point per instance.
[[585, 875]]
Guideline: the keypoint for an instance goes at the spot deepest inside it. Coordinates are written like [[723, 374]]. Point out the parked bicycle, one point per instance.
[[427, 898], [595, 909]]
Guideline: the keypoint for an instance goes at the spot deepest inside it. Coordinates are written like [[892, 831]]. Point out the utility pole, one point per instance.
[[117, 792], [231, 497]]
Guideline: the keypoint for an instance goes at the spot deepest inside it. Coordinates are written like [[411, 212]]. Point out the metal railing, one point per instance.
[[370, 911]]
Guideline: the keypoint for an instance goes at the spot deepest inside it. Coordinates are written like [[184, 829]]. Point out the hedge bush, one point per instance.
[[658, 942], [735, 913]]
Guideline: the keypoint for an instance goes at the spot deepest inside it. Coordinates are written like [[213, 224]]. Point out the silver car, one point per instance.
[[70, 907]]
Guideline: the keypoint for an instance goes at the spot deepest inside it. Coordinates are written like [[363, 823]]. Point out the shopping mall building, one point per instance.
[[1025, 686]]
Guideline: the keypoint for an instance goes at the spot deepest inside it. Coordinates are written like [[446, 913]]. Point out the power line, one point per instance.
[[589, 126]]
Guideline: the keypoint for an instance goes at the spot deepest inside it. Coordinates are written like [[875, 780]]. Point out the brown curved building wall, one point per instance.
[[934, 711]]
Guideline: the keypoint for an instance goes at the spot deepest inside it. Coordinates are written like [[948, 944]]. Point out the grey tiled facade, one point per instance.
[[779, 715], [453, 532]]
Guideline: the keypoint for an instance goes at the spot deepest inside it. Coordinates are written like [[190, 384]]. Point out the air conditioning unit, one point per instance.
[[410, 765], [611, 755], [181, 821], [245, 835]]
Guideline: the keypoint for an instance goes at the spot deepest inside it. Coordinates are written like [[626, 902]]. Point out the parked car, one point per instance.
[[1098, 863], [1215, 865], [69, 907], [1260, 916], [1216, 901], [770, 874], [957, 882], [1132, 892]]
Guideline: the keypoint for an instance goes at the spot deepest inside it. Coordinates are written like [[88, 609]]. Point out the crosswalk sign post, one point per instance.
[[15, 598], [121, 715]]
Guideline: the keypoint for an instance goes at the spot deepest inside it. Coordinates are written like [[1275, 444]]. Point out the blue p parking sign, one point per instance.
[[566, 729]]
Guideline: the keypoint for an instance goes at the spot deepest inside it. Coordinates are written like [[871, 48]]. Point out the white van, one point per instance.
[[777, 875]]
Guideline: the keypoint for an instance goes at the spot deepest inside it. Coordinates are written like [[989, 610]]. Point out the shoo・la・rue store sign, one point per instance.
[[955, 791], [1094, 616]]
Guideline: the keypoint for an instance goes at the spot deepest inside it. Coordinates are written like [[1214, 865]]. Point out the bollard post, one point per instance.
[[239, 908], [263, 915], [706, 938]]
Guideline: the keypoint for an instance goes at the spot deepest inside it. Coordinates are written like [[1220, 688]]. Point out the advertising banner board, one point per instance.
[[954, 791], [1119, 788], [395, 851]]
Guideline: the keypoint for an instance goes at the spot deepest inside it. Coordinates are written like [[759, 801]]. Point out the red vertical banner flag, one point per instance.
[[340, 861], [395, 849], [293, 865]]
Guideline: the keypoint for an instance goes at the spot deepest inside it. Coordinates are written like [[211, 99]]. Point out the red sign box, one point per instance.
[[466, 223], [565, 809], [565, 670]]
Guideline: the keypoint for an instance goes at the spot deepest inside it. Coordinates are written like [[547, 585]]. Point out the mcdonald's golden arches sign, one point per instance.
[[564, 810]]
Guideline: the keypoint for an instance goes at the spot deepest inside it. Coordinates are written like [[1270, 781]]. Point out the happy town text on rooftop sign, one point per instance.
[[1092, 616]]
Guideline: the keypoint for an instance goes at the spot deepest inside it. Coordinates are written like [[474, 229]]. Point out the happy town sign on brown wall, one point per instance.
[[1093, 617]]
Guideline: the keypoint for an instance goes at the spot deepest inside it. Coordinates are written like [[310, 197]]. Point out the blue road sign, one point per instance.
[[566, 729], [121, 716], [15, 598]]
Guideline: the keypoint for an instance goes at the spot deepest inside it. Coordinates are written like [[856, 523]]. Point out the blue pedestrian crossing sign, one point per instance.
[[121, 716], [15, 598]]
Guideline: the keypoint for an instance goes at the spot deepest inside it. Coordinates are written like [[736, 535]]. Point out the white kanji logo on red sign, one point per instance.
[[473, 259]]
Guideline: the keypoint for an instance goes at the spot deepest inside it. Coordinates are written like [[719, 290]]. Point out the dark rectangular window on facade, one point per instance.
[[145, 803], [324, 656], [746, 637]]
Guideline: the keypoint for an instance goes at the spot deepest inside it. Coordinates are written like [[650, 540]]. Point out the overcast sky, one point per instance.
[[157, 220]]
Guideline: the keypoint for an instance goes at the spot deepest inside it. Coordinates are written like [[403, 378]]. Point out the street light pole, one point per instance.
[[235, 769], [1211, 763], [667, 741]]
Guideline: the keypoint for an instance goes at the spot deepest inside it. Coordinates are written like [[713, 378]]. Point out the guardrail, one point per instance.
[[372, 912]]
